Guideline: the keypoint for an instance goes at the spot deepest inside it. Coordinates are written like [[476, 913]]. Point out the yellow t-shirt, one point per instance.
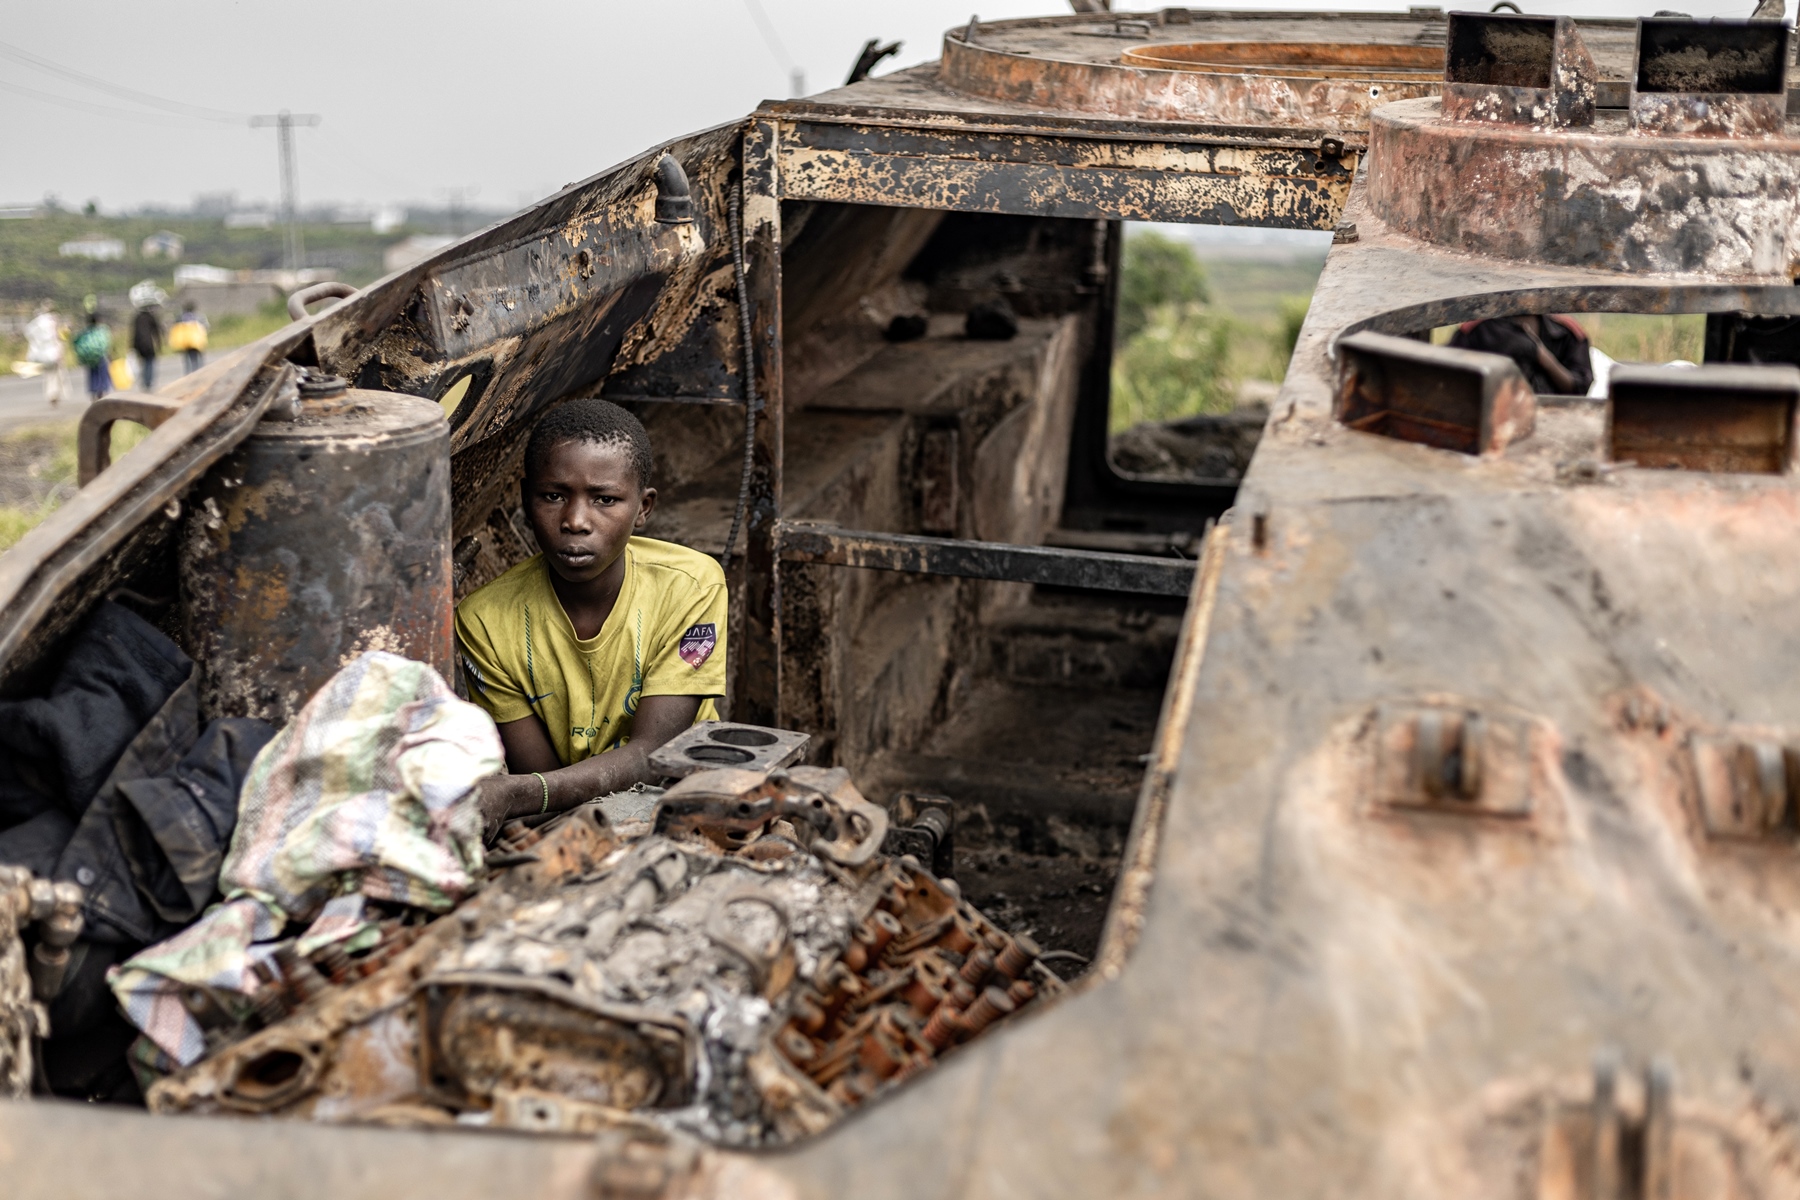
[[664, 637]]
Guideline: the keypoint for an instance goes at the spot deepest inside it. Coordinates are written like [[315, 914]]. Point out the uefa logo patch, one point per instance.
[[697, 644]]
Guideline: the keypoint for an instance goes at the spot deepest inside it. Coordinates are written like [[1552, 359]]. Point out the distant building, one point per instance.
[[19, 212], [188, 273], [98, 249], [387, 219], [215, 204], [227, 297], [407, 251], [254, 219], [162, 244]]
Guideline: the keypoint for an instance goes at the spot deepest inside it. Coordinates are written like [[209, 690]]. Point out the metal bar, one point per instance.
[[801, 542], [1064, 177], [756, 684]]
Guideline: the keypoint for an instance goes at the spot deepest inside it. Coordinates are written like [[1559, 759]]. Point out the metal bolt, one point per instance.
[[989, 1007], [977, 967]]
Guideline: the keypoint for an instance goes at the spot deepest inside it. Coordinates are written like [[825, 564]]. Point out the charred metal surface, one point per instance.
[[1064, 177], [801, 542], [756, 671], [1519, 70], [322, 536], [1459, 400], [1596, 197], [744, 964], [1287, 84], [1714, 418], [1470, 766], [1268, 69]]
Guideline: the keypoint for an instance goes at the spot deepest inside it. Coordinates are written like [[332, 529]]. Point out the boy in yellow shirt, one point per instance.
[[606, 645]]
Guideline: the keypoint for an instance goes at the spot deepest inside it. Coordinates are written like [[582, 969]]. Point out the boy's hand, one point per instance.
[[501, 798], [504, 797]]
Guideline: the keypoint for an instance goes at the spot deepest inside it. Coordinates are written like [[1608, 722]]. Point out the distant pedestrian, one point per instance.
[[44, 346], [93, 350], [188, 335], [146, 343]]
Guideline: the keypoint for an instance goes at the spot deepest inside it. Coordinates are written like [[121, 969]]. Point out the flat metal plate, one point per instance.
[[711, 744]]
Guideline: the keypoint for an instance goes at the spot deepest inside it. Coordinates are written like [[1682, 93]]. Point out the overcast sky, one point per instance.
[[510, 99]]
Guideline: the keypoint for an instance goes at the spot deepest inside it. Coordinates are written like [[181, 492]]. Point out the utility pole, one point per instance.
[[284, 122], [455, 197]]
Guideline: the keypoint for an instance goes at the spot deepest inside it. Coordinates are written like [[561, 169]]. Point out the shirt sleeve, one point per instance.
[[690, 659], [485, 680]]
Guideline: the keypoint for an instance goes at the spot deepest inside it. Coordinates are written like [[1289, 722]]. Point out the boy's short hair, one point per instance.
[[598, 421]]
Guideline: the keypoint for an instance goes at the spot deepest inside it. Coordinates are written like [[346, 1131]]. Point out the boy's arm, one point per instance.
[[528, 749]]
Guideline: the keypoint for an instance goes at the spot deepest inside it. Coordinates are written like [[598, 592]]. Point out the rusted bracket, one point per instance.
[[93, 440], [1461, 400], [804, 542], [1713, 418], [1745, 784], [1449, 758], [1523, 70], [1714, 78]]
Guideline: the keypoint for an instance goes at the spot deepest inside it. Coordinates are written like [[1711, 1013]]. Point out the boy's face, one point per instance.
[[584, 506]]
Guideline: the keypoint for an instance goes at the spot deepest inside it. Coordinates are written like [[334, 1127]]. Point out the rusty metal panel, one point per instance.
[[1598, 197], [1218, 183]]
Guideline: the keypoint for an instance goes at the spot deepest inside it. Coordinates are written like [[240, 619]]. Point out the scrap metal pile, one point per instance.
[[739, 961]]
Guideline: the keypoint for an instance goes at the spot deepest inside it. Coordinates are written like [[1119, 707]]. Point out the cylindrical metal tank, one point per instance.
[[324, 535]]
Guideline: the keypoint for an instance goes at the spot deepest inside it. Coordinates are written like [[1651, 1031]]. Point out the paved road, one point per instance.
[[22, 400]]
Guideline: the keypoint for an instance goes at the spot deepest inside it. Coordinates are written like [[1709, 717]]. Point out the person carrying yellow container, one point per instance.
[[188, 335]]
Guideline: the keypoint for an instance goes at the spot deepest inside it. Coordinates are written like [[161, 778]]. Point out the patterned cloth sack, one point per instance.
[[92, 346], [369, 794]]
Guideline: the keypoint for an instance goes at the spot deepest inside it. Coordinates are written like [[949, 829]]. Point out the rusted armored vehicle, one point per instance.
[[1413, 815]]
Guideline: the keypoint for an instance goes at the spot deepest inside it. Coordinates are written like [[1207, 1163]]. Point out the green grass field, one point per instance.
[[1190, 357], [37, 472]]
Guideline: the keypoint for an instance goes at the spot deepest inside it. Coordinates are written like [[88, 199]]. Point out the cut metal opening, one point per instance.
[[1500, 49], [1683, 56], [1712, 418]]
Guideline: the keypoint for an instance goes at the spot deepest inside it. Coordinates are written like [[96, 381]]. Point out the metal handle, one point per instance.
[[319, 291], [93, 440]]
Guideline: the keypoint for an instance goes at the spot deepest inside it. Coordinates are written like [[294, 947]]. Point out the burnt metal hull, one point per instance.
[[1336, 964]]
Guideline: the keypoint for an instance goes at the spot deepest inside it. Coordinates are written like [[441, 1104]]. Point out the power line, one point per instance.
[[772, 39], [160, 120], [176, 107]]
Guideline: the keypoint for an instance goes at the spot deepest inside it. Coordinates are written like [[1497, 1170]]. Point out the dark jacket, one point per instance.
[[146, 333], [111, 781]]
